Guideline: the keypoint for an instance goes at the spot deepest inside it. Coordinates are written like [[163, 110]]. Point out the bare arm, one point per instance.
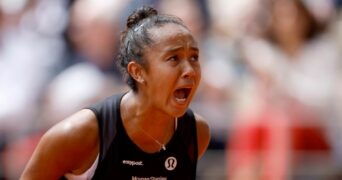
[[203, 135], [69, 146]]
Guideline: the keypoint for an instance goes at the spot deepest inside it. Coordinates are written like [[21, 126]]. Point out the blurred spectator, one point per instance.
[[193, 12], [93, 33], [31, 46], [88, 72], [285, 101]]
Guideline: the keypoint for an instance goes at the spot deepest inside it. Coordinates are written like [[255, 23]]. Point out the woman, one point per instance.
[[148, 132]]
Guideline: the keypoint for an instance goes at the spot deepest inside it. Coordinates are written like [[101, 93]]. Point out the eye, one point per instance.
[[194, 58], [173, 59]]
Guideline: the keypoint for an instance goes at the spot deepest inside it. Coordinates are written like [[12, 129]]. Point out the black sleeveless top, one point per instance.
[[120, 158]]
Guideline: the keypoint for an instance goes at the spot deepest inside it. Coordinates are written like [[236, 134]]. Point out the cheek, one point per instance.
[[162, 77], [199, 73]]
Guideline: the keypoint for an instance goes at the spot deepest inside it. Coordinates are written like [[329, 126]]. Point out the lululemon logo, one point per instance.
[[170, 163]]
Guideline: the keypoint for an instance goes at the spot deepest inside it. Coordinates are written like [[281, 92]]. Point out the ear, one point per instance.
[[135, 70]]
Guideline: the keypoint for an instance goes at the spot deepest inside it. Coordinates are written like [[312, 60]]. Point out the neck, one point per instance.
[[136, 112], [148, 128]]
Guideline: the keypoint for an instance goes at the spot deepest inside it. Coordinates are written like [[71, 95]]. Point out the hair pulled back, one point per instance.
[[135, 38]]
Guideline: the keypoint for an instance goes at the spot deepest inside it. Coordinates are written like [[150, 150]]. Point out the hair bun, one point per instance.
[[140, 14]]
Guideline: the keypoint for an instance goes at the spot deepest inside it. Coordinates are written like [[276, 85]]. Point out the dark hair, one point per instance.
[[315, 26], [136, 38]]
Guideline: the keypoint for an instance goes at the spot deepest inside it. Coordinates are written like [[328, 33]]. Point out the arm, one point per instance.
[[69, 146], [203, 135]]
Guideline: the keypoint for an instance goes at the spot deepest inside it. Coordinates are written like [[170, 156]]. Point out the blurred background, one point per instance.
[[271, 86]]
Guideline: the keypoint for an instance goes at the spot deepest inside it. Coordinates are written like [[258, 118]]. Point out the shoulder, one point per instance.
[[203, 134], [75, 137], [81, 126], [66, 147], [81, 129]]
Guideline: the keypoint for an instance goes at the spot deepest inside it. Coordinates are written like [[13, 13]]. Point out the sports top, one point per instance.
[[120, 158]]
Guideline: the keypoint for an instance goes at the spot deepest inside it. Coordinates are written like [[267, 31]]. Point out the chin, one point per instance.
[[179, 112]]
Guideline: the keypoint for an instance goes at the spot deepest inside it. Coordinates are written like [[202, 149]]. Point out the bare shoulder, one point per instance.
[[68, 146], [203, 134], [80, 128]]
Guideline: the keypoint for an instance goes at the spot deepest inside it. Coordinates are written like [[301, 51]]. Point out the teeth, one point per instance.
[[180, 96], [181, 100]]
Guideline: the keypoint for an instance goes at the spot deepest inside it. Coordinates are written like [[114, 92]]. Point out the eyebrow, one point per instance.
[[180, 48]]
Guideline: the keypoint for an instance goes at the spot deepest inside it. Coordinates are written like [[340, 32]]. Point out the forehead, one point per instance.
[[171, 35]]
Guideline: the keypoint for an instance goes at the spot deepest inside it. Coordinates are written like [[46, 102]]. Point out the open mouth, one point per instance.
[[182, 94]]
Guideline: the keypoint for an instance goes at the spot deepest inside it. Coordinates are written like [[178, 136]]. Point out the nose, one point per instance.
[[189, 70]]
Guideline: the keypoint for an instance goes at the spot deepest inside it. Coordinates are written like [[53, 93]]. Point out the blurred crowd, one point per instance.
[[271, 86]]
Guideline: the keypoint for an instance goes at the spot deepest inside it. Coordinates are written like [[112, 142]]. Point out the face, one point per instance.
[[289, 19], [173, 72]]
